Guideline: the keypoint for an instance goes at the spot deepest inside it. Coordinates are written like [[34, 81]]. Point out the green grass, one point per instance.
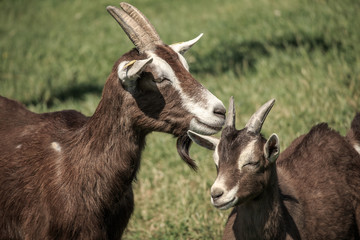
[[57, 54]]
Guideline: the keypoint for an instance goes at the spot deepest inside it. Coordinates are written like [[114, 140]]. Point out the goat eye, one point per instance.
[[251, 164], [161, 79], [157, 80]]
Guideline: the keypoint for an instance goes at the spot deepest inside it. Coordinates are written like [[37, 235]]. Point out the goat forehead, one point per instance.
[[177, 64], [246, 154], [169, 55], [233, 143], [231, 168]]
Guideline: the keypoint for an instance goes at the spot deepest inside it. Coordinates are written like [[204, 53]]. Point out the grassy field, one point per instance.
[[57, 55]]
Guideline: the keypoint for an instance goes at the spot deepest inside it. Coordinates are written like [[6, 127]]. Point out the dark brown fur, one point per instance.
[[85, 190], [313, 192]]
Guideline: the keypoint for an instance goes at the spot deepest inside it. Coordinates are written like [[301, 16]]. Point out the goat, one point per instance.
[[67, 176], [312, 192]]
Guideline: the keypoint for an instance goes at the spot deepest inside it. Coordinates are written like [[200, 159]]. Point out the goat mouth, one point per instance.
[[204, 128], [226, 205]]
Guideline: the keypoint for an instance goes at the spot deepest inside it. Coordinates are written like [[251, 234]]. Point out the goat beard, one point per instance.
[[183, 144]]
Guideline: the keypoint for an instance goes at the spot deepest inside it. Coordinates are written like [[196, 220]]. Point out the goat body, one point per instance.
[[313, 193], [64, 175], [67, 176], [310, 191]]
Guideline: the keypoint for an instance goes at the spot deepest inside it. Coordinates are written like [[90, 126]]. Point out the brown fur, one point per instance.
[[311, 193], [83, 191]]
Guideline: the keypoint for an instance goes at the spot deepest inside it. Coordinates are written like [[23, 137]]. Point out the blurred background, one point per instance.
[[56, 55]]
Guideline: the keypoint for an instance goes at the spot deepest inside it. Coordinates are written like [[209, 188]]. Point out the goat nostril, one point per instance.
[[220, 111], [216, 193]]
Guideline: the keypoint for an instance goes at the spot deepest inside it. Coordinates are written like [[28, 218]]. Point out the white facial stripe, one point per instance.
[[56, 146], [216, 156], [221, 184], [231, 194], [203, 112], [246, 154], [357, 148]]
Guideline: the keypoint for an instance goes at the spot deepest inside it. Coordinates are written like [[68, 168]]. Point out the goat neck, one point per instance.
[[112, 141], [265, 212]]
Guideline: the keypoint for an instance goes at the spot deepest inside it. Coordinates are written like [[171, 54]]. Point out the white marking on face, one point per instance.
[[219, 183], [18, 146], [357, 148], [216, 156], [56, 146], [229, 196], [246, 155], [205, 120]]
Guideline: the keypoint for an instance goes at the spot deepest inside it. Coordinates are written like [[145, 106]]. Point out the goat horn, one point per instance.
[[142, 21], [256, 121], [230, 120], [136, 26]]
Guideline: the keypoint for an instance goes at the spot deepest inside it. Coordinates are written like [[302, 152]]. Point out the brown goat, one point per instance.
[[67, 176], [312, 192]]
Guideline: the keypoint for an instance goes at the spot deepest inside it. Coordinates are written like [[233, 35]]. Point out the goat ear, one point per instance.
[[131, 70], [182, 47], [272, 148], [208, 142]]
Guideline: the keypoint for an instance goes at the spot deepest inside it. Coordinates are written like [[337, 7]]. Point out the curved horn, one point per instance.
[[256, 121], [128, 25], [136, 26], [230, 120], [142, 21]]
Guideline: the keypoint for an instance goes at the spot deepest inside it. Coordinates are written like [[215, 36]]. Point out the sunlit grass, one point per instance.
[[57, 55]]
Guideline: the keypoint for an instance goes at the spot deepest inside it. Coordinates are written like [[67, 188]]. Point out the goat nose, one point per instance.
[[216, 193], [219, 111]]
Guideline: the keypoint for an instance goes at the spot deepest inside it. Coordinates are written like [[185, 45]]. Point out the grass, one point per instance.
[[56, 55]]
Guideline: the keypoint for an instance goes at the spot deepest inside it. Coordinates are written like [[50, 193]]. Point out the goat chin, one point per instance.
[[201, 127]]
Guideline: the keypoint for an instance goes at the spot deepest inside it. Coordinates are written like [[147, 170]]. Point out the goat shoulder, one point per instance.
[[324, 172]]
